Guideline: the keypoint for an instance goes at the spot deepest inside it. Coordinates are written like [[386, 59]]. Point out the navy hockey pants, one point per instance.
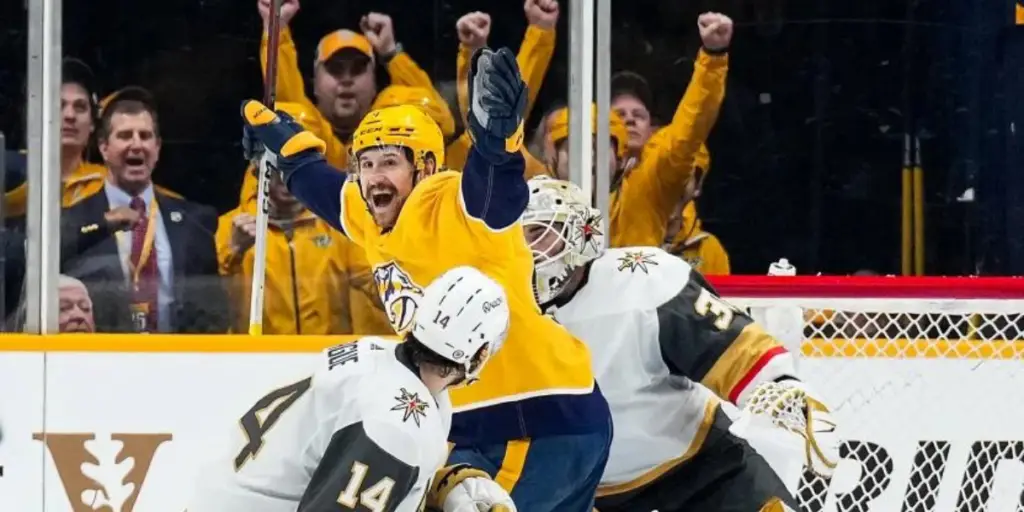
[[550, 474]]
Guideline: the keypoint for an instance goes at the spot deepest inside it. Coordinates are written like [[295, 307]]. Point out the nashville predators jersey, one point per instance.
[[665, 349], [362, 433], [471, 218]]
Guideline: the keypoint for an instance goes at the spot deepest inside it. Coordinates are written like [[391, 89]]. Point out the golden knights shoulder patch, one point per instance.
[[636, 260], [411, 406]]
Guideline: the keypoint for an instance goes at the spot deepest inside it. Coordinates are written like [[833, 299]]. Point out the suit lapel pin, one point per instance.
[[175, 216]]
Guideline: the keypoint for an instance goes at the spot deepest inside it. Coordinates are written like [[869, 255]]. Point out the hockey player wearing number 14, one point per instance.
[[666, 350], [367, 431]]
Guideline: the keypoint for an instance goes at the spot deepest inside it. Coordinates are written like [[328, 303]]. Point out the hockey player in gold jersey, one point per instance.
[[667, 350], [536, 422]]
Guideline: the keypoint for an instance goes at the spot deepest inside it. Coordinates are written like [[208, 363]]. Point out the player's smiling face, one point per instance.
[[386, 177]]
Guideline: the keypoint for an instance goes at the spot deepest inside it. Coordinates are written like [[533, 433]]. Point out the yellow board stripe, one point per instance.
[[918, 348], [921, 348], [167, 343]]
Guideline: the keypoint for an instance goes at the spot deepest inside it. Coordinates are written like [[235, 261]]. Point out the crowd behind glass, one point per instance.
[[136, 256]]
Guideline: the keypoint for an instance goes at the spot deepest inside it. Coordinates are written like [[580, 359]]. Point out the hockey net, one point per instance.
[[925, 377]]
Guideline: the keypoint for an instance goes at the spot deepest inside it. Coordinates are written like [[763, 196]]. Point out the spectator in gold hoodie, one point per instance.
[[687, 239], [631, 98], [685, 236], [344, 84], [317, 281], [78, 114], [534, 57], [648, 180]]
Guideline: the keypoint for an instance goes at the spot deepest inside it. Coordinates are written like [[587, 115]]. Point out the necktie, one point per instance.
[[145, 276]]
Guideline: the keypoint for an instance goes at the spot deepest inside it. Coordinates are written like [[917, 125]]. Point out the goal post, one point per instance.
[[925, 376]]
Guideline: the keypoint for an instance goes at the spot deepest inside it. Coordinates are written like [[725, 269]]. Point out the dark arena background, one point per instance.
[[807, 153]]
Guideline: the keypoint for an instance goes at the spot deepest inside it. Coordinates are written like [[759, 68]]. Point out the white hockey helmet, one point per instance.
[[461, 312], [563, 231]]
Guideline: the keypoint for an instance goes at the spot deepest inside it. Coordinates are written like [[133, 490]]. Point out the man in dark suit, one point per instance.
[[147, 256]]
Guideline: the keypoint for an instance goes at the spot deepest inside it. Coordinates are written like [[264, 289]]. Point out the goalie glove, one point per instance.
[[792, 407], [277, 139], [497, 104], [462, 488]]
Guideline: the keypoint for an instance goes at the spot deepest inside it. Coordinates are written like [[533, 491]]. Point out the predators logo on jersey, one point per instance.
[[398, 293]]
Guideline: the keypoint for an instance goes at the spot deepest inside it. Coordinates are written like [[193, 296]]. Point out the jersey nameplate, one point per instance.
[[341, 354]]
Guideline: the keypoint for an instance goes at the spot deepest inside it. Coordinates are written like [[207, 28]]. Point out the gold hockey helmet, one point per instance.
[[404, 126]]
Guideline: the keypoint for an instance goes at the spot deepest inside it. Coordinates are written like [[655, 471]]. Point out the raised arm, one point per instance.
[[534, 58], [299, 155], [493, 188], [402, 69], [650, 192], [290, 86]]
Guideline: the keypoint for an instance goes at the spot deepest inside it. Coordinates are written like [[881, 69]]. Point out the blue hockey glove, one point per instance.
[[497, 103], [286, 144]]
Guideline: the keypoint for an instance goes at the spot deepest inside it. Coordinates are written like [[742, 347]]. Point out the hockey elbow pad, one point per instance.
[[791, 406], [463, 488], [285, 143]]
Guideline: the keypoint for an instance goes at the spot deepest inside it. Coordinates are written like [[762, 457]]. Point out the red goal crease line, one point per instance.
[[898, 348]]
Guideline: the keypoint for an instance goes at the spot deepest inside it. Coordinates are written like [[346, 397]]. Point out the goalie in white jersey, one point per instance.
[[369, 429], [666, 351]]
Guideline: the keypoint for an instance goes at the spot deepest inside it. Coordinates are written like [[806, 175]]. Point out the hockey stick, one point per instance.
[[259, 267]]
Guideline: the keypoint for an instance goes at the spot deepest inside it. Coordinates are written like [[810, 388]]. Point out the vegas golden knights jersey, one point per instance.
[[666, 350], [362, 433]]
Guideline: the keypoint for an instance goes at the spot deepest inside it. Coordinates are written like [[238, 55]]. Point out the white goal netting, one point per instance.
[[926, 378]]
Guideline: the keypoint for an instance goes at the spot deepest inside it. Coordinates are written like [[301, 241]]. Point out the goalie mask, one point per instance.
[[563, 232]]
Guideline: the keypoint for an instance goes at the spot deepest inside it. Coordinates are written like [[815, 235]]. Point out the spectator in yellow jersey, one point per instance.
[[534, 57], [540, 143], [647, 182], [78, 111], [685, 236], [631, 97], [344, 84], [308, 288], [317, 281], [688, 240]]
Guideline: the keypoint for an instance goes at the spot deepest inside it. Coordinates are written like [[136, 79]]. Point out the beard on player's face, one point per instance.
[[386, 178], [384, 202]]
